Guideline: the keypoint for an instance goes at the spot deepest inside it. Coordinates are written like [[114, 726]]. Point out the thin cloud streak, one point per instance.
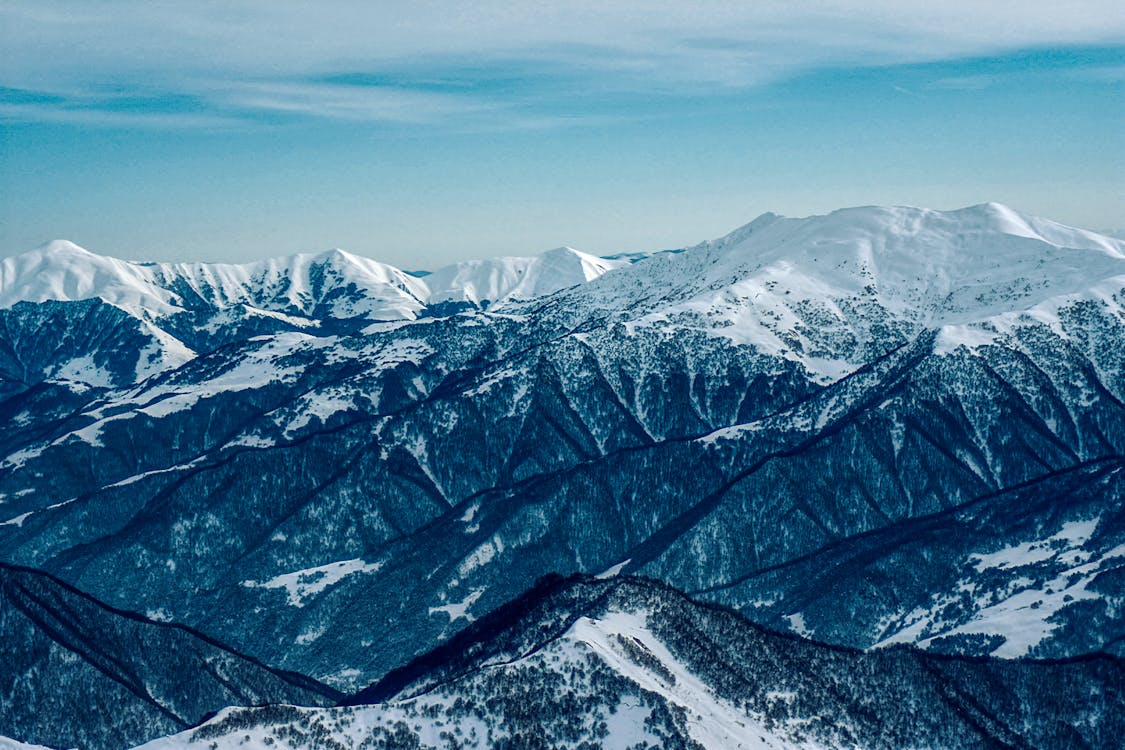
[[247, 57], [96, 117], [363, 103]]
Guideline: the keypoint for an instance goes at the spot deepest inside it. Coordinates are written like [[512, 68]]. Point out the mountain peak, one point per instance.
[[915, 258], [57, 247]]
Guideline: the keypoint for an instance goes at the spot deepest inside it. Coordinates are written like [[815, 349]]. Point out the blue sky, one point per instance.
[[423, 133]]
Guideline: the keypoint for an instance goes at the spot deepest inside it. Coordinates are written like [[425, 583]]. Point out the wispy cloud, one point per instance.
[[98, 117], [345, 102], [424, 61]]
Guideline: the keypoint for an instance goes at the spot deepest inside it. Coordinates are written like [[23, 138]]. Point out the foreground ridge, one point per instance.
[[78, 672], [629, 662]]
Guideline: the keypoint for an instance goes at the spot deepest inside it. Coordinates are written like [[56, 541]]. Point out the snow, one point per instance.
[[813, 290], [10, 744], [17, 521], [1046, 575], [498, 280], [320, 405], [614, 570], [967, 335], [251, 441], [310, 635], [415, 444], [166, 352], [85, 370], [621, 725], [459, 610], [482, 555], [91, 433], [380, 355], [945, 269], [288, 289], [1073, 534], [470, 512], [293, 286], [302, 585], [255, 368], [155, 472], [798, 626], [817, 291], [712, 722]]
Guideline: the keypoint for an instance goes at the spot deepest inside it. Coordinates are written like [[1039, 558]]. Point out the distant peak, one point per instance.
[[764, 220], [993, 207], [62, 247], [335, 256], [562, 251], [744, 231], [990, 209]]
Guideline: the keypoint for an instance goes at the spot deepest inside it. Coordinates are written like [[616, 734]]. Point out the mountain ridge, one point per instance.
[[581, 661], [89, 658], [873, 220], [336, 495]]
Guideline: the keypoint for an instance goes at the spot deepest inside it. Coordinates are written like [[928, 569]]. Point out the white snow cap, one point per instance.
[[497, 280], [958, 265]]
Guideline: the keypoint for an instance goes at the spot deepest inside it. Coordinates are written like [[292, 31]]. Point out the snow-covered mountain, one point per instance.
[[631, 664], [304, 289], [301, 285], [875, 427], [484, 283]]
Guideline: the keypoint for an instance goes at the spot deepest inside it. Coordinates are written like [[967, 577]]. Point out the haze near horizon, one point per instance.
[[424, 134]]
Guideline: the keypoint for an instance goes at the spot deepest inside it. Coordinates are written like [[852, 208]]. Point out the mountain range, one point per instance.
[[794, 461]]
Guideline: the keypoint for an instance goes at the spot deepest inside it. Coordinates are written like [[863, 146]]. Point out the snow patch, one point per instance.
[[17, 521], [302, 585], [482, 555], [459, 610], [614, 570], [1073, 534]]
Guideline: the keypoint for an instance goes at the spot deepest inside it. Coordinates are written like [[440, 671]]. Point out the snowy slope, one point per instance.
[[615, 717], [10, 744], [941, 267], [626, 663], [820, 290], [301, 284], [767, 279], [495, 280], [304, 285]]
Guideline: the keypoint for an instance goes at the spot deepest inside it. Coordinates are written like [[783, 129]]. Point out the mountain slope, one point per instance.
[[486, 283], [340, 500], [331, 284], [630, 663], [1025, 570], [76, 673]]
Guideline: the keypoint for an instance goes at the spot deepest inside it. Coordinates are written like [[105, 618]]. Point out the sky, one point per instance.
[[423, 133]]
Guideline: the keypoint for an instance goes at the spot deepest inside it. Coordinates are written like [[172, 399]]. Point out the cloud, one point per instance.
[[345, 102], [100, 117], [245, 56]]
